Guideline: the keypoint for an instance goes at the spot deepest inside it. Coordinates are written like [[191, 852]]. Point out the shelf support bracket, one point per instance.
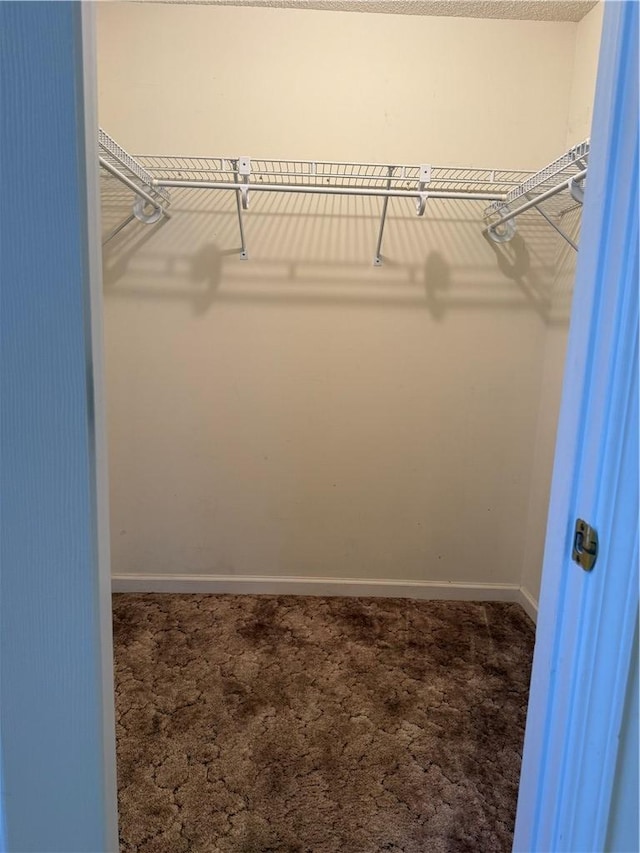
[[556, 228], [377, 260], [119, 228], [504, 230], [240, 204], [577, 191], [244, 169], [423, 181]]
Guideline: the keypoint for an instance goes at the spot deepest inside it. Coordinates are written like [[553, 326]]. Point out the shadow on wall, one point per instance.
[[320, 250], [206, 272], [437, 281], [514, 262]]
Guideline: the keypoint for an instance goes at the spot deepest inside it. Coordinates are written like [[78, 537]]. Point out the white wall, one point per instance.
[[552, 358], [585, 69], [303, 413], [334, 85]]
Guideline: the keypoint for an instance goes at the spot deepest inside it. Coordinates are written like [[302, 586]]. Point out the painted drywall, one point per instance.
[[334, 85], [585, 68], [304, 413], [553, 357]]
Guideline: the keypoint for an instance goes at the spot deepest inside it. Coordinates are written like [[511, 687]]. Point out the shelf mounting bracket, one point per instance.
[[577, 191], [244, 170], [557, 228], [377, 260], [423, 180], [504, 231], [241, 202]]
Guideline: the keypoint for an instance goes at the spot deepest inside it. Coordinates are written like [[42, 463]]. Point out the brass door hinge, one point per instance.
[[585, 545]]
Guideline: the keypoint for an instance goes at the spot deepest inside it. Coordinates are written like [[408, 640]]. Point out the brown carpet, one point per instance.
[[258, 724]]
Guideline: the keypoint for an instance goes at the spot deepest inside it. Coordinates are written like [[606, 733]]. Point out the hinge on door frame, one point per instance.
[[585, 545]]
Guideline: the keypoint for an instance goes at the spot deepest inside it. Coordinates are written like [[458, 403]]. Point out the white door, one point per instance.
[[584, 662]]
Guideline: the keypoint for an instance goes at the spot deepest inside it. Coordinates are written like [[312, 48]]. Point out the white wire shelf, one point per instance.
[[509, 192], [558, 186], [151, 201], [132, 168], [566, 166], [326, 174]]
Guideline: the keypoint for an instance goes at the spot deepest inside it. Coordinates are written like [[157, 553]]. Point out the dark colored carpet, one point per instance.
[[258, 724]]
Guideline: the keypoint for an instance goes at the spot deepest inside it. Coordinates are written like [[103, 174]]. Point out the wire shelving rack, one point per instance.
[[559, 186], [151, 202], [509, 192]]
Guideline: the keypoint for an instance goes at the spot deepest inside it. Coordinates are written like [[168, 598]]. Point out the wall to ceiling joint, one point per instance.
[[521, 10]]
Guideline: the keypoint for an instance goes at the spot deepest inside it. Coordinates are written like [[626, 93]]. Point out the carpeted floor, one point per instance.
[[255, 724]]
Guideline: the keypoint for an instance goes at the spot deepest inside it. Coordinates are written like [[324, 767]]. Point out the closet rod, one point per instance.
[[534, 202], [356, 191]]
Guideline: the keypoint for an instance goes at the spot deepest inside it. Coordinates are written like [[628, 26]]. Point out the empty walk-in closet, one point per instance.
[[339, 241]]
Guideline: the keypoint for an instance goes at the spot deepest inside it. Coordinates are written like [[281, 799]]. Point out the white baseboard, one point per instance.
[[284, 585], [528, 603]]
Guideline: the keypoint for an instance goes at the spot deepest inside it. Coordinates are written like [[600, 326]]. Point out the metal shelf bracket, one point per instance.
[[377, 259], [577, 190], [244, 172], [423, 181]]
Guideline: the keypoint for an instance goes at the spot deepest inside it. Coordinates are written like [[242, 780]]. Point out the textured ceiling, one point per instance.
[[524, 10]]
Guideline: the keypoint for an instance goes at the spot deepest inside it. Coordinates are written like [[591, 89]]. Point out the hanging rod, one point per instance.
[[242, 168], [320, 190]]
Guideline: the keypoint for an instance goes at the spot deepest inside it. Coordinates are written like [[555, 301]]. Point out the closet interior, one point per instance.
[[339, 250], [374, 414]]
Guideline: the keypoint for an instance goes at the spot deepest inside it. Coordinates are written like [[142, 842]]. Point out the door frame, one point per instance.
[[100, 444], [58, 768], [587, 620]]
